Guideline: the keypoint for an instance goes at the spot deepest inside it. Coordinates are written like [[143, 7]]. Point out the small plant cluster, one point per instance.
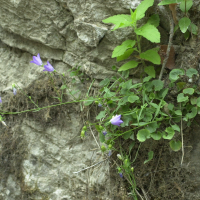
[[138, 111]]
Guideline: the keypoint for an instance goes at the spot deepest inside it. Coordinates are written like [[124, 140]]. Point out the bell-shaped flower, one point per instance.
[[104, 132], [116, 120], [48, 67], [0, 100], [14, 91], [121, 175], [37, 60]]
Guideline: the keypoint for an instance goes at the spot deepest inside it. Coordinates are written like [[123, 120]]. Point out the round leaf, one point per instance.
[[190, 72], [150, 71], [133, 98], [143, 134], [175, 146], [181, 98], [189, 91], [175, 73], [156, 136], [170, 132]]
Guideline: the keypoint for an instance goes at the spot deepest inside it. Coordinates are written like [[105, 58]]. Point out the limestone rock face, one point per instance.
[[41, 150]]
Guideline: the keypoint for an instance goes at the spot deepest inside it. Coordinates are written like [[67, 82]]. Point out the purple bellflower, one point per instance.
[[109, 153], [0, 100], [100, 105], [104, 132], [121, 175], [116, 120], [14, 91], [37, 60], [48, 67]]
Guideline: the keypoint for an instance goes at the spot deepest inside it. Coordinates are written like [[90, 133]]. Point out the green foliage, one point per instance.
[[167, 2], [151, 55], [142, 8], [150, 157], [129, 65], [149, 32], [184, 24], [174, 74], [154, 20], [188, 4], [175, 146], [150, 71], [143, 134]]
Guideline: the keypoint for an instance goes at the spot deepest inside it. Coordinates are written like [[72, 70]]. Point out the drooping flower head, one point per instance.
[[116, 120], [100, 105], [104, 132], [121, 175], [48, 67], [109, 153], [14, 91], [37, 60], [0, 100]]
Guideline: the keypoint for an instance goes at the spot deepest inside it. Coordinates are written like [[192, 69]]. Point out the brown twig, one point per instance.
[[171, 34]]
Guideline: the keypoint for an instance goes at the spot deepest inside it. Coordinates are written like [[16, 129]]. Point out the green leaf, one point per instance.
[[101, 137], [193, 28], [178, 112], [187, 35], [125, 55], [127, 135], [108, 93], [120, 50], [152, 56], [120, 21], [175, 146], [192, 114], [147, 117], [181, 98], [150, 157], [146, 79], [189, 91], [154, 20], [129, 65], [190, 72], [198, 102], [104, 82], [152, 127], [133, 16], [170, 106], [101, 115], [181, 85], [170, 132], [143, 134], [156, 136], [189, 4], [193, 100], [150, 71], [158, 84], [176, 127], [142, 8], [88, 101], [166, 2], [150, 32], [175, 73], [63, 87], [184, 24], [133, 98]]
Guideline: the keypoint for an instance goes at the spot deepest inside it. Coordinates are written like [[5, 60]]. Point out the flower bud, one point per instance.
[[132, 169], [85, 128], [110, 146], [119, 156], [103, 148]]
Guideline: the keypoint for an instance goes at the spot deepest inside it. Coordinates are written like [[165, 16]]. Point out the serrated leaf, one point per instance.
[[170, 132], [101, 115], [167, 2], [158, 84], [175, 73], [129, 65], [189, 4], [178, 112], [133, 16], [190, 72], [146, 79], [125, 55], [189, 91], [192, 114], [143, 134], [120, 50], [133, 98], [152, 56], [184, 24], [150, 32], [150, 71], [181, 98], [170, 106], [104, 82], [120, 21], [176, 127], [142, 8], [193, 28], [154, 20], [175, 146], [150, 157]]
